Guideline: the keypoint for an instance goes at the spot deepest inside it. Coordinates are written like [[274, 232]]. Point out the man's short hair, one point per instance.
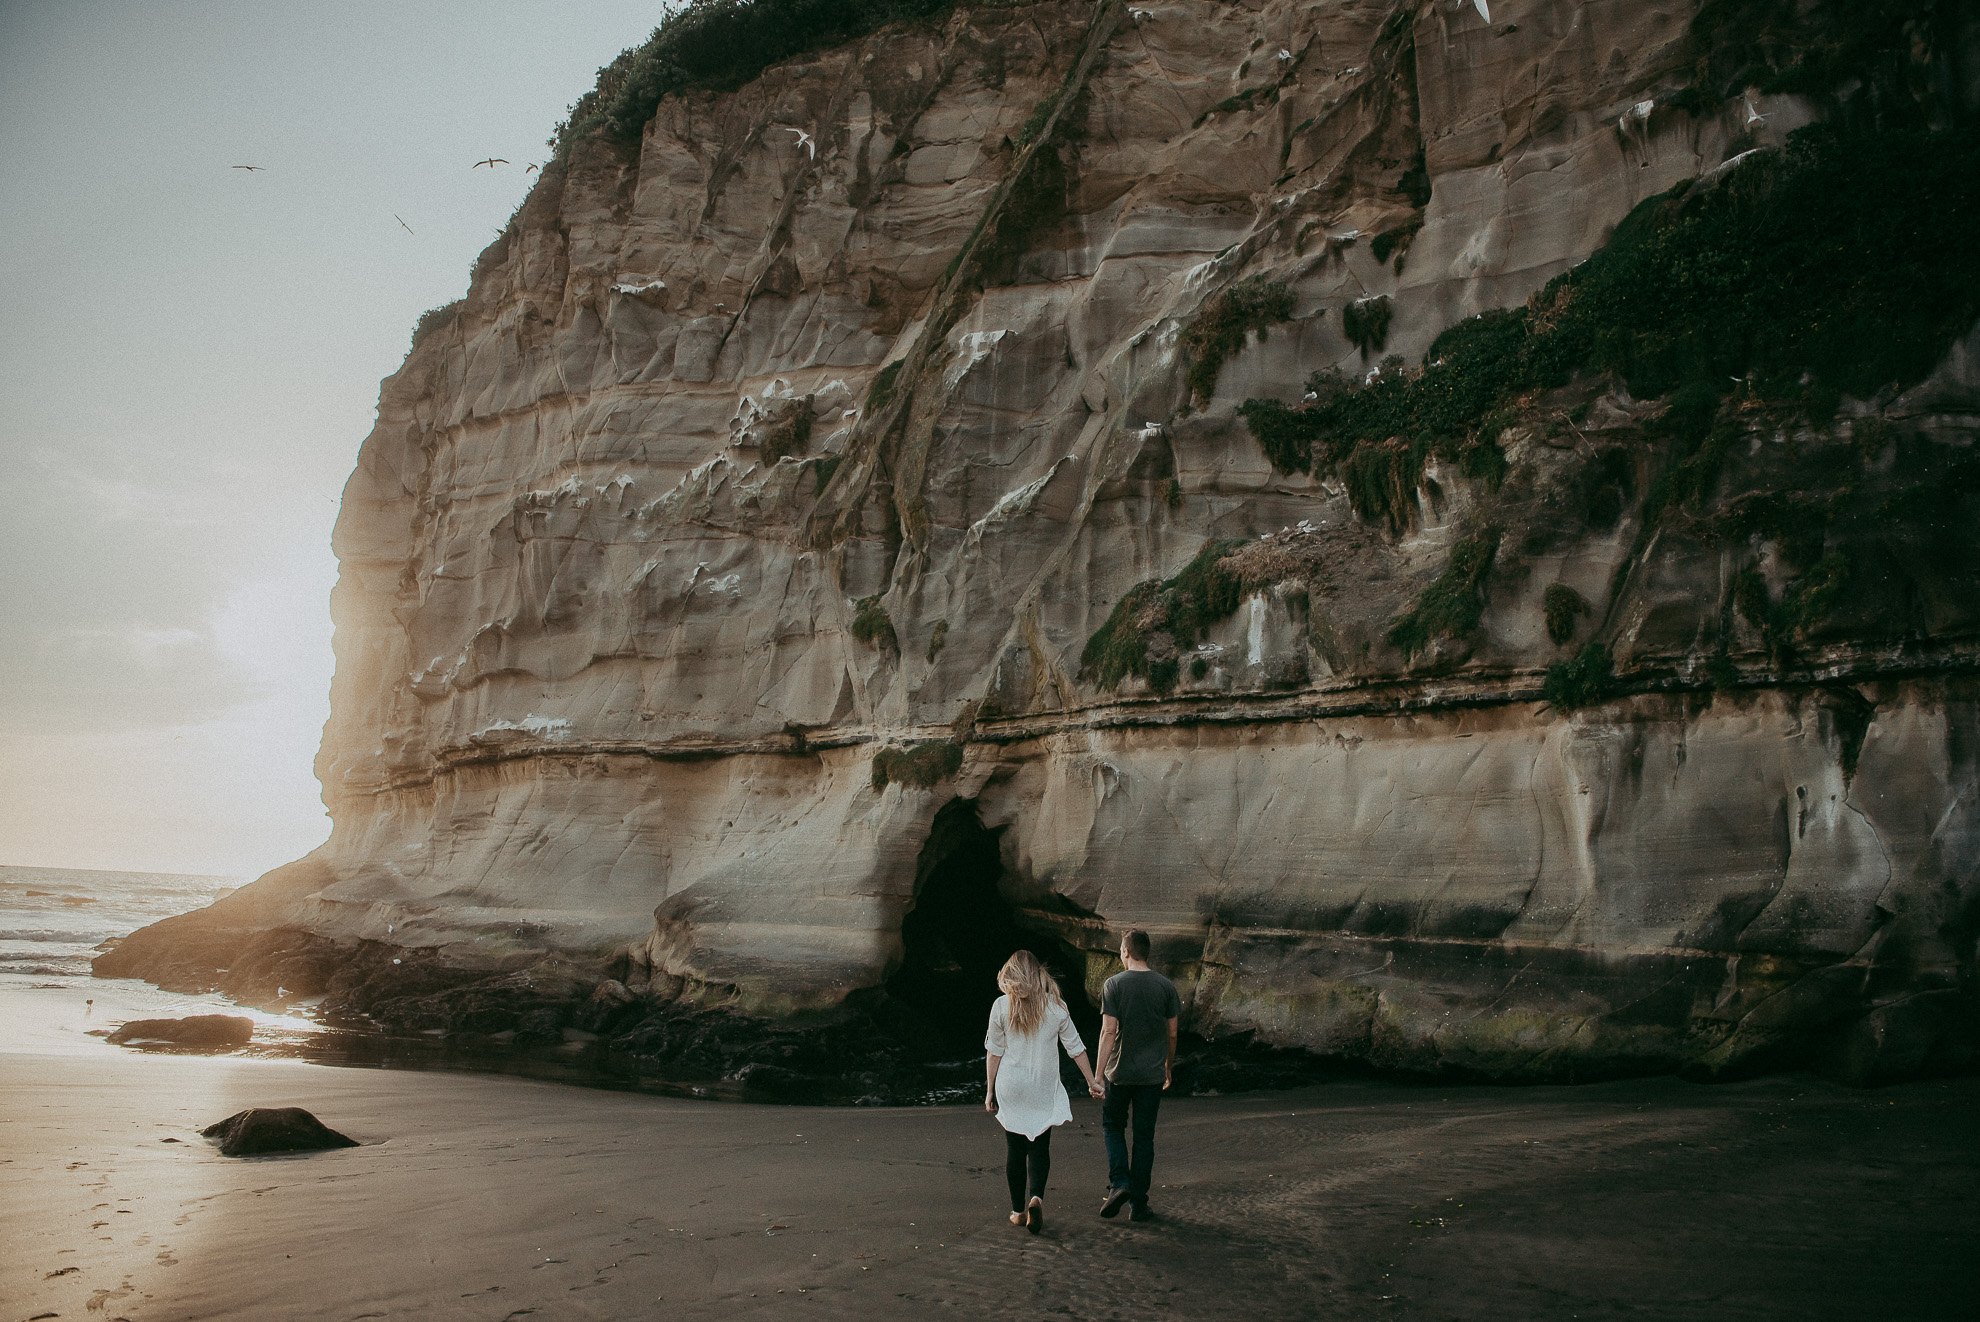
[[1137, 944]]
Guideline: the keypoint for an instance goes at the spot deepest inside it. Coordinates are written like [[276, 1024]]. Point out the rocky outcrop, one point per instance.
[[838, 498]]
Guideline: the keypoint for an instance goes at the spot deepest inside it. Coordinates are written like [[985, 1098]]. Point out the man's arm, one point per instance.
[[1169, 1065], [1110, 1041]]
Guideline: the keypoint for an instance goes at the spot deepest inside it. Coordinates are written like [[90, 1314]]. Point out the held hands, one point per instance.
[[1096, 1089]]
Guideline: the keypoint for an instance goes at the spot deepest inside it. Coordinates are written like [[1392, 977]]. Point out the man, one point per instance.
[[1138, 1013]]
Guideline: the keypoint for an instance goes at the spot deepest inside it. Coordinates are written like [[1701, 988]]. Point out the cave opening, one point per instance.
[[962, 929]]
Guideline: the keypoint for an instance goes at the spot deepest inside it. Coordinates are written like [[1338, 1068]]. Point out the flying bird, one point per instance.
[[1753, 115], [491, 163], [804, 141], [402, 224], [250, 167], [529, 169]]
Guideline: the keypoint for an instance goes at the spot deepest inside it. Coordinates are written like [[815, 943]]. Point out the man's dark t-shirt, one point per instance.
[[1144, 1002]]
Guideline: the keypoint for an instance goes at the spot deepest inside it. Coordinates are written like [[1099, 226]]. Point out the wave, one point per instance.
[[46, 936]]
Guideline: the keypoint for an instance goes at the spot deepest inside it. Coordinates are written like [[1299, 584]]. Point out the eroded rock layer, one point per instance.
[[782, 478]]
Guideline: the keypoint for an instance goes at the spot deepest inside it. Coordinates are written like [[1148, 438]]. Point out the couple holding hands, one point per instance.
[[1028, 1024]]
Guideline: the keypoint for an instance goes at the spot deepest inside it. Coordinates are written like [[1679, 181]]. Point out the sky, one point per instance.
[[190, 355]]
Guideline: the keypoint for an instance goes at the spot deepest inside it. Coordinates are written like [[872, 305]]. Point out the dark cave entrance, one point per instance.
[[961, 930]]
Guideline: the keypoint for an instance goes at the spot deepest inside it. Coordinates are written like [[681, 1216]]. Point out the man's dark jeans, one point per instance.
[[1125, 1172]]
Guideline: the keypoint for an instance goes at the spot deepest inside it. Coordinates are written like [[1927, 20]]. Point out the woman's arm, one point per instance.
[[990, 1064], [1092, 1079]]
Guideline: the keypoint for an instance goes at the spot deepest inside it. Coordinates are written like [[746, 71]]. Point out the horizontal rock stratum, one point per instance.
[[1009, 474]]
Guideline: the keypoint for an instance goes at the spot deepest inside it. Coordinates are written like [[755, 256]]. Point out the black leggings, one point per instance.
[[1027, 1165]]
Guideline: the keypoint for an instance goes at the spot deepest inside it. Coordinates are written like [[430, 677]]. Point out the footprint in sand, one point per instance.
[[165, 1258], [97, 1300]]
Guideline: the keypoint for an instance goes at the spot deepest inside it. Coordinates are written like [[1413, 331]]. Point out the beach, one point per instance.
[[483, 1197]]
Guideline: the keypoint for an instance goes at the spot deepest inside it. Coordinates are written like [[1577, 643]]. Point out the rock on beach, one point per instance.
[[274, 1129], [208, 1031]]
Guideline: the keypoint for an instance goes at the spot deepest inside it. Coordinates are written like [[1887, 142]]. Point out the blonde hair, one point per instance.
[[1031, 990]]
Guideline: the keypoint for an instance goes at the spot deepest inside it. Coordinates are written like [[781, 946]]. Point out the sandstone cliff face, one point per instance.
[[837, 416]]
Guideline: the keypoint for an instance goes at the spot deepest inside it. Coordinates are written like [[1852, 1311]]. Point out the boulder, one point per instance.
[[274, 1129]]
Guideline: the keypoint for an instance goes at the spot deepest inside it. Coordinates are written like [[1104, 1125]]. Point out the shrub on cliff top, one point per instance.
[[720, 45], [434, 318]]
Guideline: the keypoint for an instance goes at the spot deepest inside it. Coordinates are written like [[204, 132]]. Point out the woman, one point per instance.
[[1028, 1025]]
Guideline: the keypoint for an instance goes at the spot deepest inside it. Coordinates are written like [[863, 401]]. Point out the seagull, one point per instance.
[[402, 224], [804, 141], [529, 170], [1284, 54], [1138, 14], [1753, 115], [1484, 11], [250, 167], [491, 162]]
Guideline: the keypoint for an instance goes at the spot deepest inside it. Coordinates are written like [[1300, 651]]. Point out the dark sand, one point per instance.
[[493, 1198]]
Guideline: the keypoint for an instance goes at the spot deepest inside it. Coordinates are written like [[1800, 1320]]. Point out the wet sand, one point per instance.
[[494, 1198]]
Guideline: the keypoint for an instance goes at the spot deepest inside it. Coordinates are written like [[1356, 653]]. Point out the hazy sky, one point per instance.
[[190, 356]]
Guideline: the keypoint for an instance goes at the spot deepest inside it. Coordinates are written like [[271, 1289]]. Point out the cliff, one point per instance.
[[1460, 528]]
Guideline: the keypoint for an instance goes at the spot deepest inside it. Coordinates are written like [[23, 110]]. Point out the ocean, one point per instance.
[[52, 920]]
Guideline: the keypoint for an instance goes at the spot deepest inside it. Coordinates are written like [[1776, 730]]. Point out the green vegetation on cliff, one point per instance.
[[923, 766], [872, 625], [790, 435], [1563, 607], [1586, 680], [1219, 329], [1820, 47], [1455, 600], [1834, 267], [719, 45], [1149, 626], [1838, 266], [434, 318]]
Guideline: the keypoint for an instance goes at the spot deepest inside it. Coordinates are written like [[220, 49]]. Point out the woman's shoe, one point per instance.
[[1017, 1218], [1034, 1215]]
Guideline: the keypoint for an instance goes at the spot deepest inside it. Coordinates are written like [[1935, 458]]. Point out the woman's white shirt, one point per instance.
[[1030, 1098]]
